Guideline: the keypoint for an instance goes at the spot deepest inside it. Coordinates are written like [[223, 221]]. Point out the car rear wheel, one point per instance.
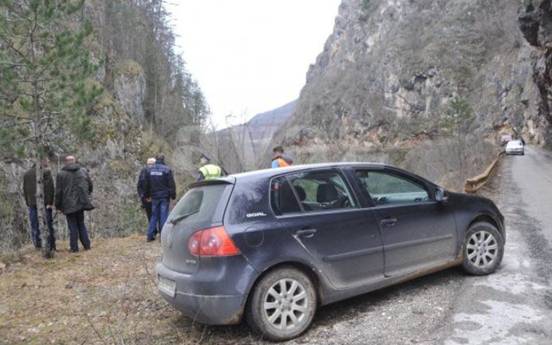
[[282, 305], [483, 249]]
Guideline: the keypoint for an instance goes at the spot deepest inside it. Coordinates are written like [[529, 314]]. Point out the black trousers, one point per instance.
[[77, 231]]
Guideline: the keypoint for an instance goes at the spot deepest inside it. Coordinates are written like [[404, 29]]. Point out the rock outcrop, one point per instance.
[[535, 23], [397, 65], [130, 89]]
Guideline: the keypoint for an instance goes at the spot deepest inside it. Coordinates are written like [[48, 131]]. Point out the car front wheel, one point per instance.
[[282, 305], [483, 249]]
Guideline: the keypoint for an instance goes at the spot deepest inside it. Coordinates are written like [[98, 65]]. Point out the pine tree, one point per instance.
[[44, 87]]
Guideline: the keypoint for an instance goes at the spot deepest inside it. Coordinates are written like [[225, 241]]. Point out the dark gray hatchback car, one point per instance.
[[273, 245]]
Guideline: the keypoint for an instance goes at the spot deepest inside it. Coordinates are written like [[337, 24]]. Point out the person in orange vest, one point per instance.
[[279, 159]]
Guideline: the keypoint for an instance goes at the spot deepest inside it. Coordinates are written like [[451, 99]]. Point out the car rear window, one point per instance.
[[199, 204]]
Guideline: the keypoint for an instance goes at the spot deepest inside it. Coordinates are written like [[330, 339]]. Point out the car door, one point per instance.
[[417, 232], [342, 239]]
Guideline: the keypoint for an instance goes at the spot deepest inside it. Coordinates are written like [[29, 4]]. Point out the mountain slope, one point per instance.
[[397, 75]]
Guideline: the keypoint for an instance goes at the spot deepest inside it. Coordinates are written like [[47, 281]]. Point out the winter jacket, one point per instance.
[[29, 187], [160, 182], [73, 189]]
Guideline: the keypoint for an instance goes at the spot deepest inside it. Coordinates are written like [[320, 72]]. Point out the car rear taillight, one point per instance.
[[212, 242]]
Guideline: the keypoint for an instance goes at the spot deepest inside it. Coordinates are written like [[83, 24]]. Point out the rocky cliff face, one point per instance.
[[536, 25], [397, 65], [394, 75]]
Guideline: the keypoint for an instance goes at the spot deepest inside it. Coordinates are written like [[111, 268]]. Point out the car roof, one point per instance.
[[264, 173]]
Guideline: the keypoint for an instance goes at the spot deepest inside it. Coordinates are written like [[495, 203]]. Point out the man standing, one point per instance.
[[279, 159], [208, 171], [141, 186], [161, 188], [29, 190], [73, 189]]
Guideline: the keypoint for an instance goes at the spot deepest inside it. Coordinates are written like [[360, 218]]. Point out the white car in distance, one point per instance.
[[515, 147]]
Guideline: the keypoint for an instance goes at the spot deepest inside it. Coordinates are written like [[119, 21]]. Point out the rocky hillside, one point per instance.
[[535, 19], [395, 75], [147, 97]]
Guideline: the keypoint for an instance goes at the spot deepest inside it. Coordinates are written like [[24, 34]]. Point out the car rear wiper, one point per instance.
[[179, 218]]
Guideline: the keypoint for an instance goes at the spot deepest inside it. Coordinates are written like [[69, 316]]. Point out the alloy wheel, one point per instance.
[[286, 304], [482, 249]]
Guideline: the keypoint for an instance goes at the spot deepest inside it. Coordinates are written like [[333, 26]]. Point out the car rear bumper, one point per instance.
[[204, 300], [514, 151]]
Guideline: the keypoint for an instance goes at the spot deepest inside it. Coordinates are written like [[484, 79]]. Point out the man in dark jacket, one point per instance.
[[73, 189], [160, 187], [141, 187], [29, 190]]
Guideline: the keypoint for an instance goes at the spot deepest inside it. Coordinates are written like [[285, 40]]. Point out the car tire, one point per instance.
[[483, 249], [282, 304]]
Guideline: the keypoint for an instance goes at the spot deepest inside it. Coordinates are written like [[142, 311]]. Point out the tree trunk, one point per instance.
[[42, 217], [39, 151], [40, 206]]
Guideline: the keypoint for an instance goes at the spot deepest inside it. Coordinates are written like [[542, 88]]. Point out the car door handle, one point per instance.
[[306, 233], [388, 222]]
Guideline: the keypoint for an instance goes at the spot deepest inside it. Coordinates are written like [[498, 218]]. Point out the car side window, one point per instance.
[[281, 197], [322, 190], [385, 188]]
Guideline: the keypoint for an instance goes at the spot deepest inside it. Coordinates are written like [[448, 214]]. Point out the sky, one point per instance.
[[250, 56]]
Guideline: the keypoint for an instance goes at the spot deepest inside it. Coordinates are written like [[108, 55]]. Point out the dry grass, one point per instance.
[[103, 296]]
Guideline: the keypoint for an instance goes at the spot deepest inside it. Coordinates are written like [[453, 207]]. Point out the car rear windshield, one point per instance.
[[199, 204]]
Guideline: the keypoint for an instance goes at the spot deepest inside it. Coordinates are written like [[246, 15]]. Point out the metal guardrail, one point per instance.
[[473, 184]]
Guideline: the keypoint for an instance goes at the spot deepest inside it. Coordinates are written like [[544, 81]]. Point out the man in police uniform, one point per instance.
[[160, 189], [208, 171]]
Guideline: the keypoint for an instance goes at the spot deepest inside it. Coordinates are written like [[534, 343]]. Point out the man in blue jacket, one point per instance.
[[160, 189]]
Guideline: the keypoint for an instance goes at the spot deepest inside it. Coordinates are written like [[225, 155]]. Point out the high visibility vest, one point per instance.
[[210, 171], [282, 162]]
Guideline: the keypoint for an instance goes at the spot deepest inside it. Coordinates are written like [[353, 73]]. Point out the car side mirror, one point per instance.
[[441, 195]]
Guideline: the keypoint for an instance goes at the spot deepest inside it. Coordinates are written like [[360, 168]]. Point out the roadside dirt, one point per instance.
[[103, 296], [108, 296]]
